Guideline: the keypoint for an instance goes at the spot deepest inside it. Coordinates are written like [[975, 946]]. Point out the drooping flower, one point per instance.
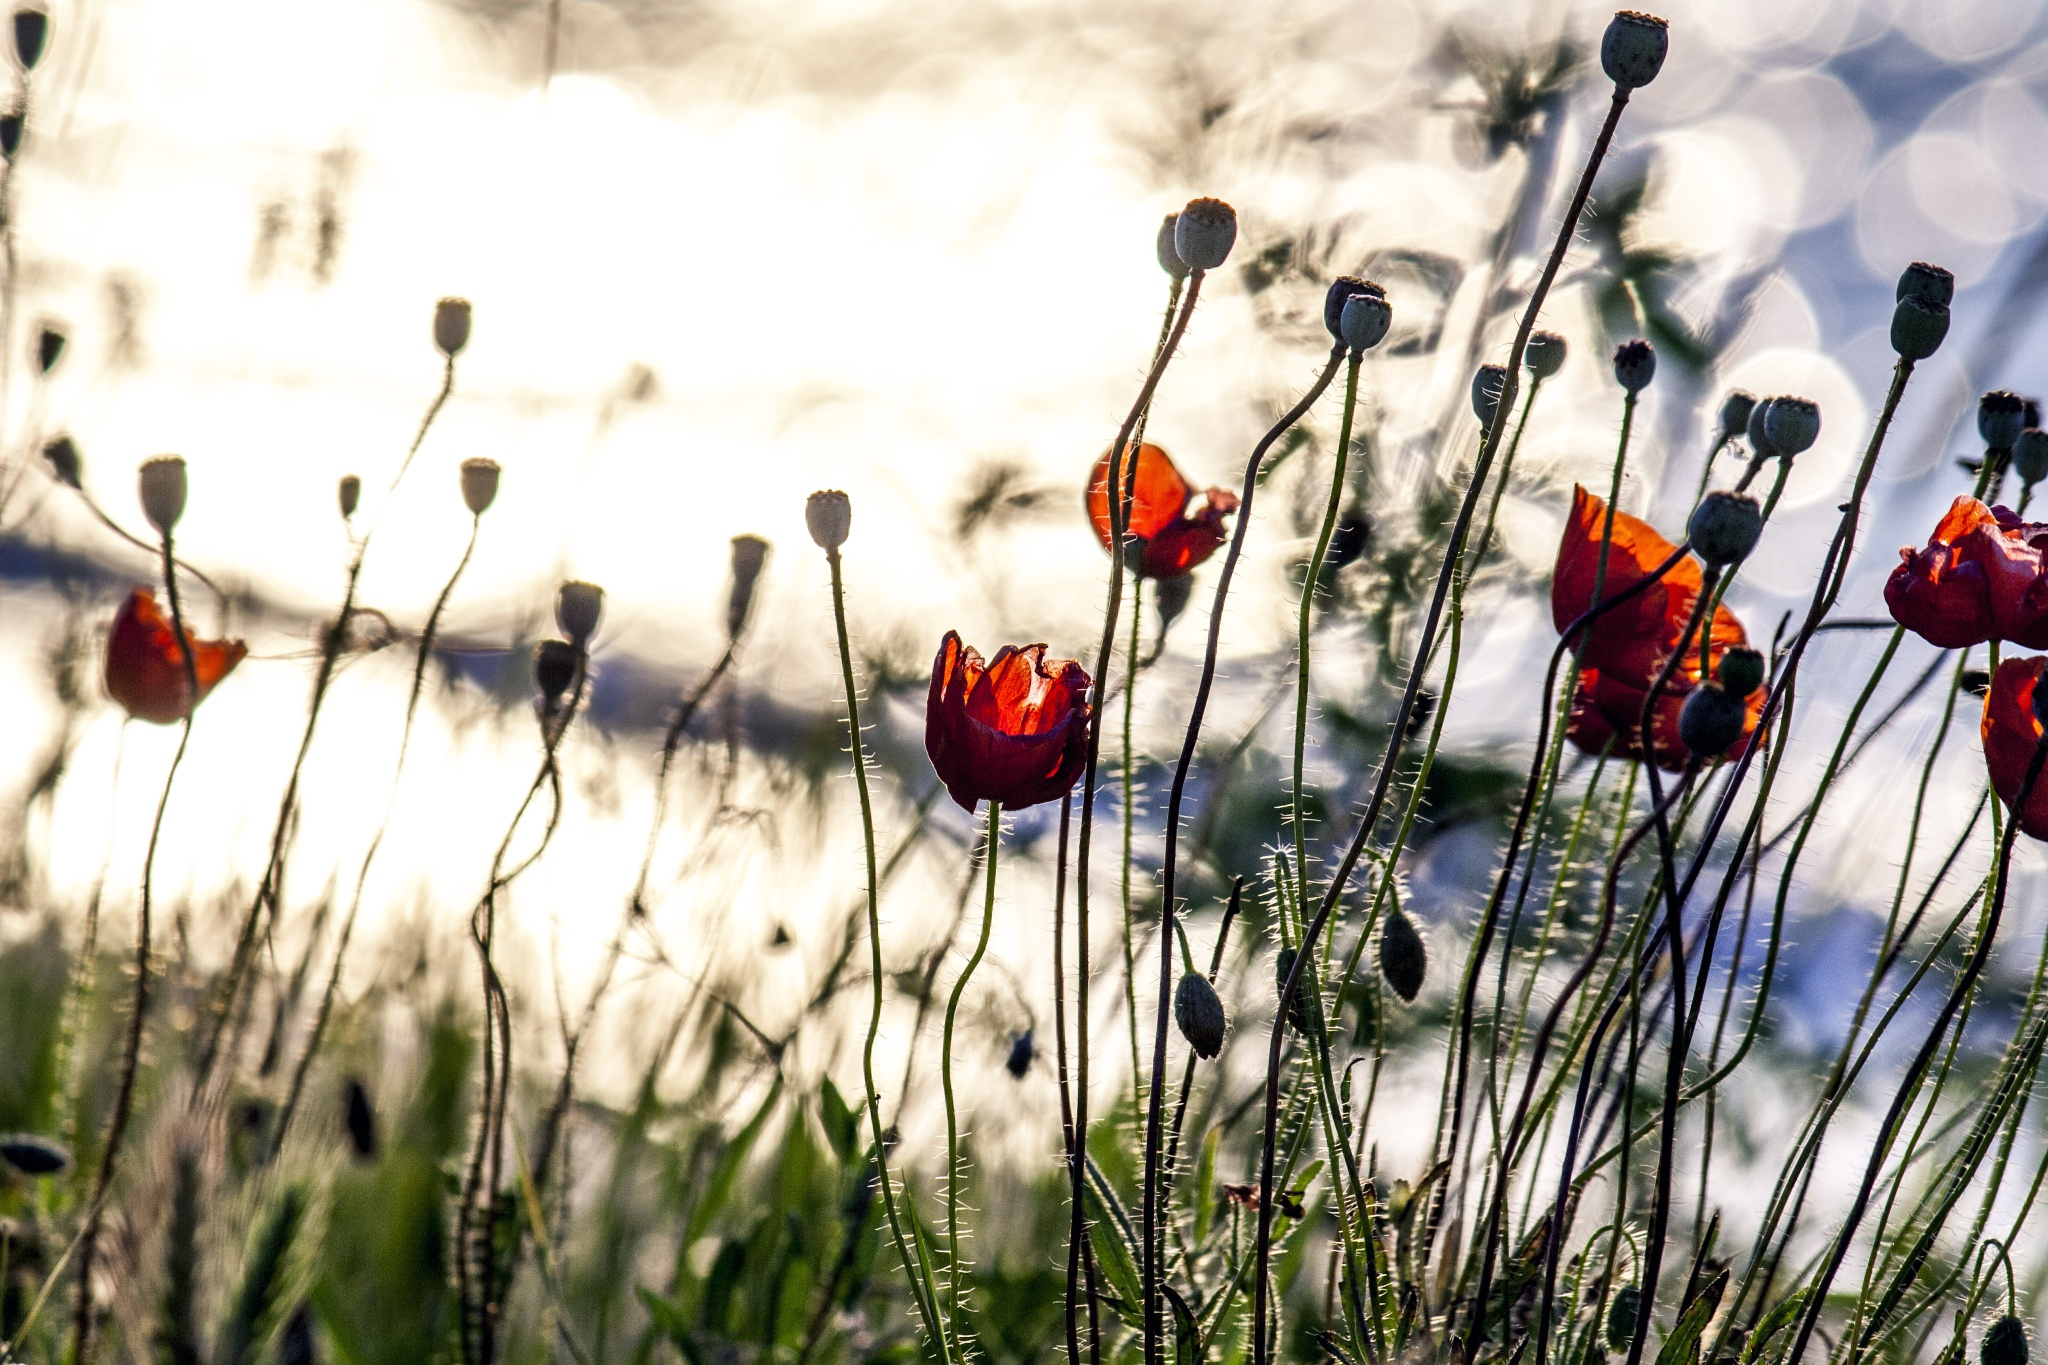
[[145, 669], [1980, 578], [2011, 730], [1174, 541], [1012, 729]]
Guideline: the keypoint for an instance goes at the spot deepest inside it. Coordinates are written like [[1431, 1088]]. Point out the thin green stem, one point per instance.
[[988, 919]]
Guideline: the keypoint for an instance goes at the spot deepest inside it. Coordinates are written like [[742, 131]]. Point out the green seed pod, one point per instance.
[[451, 326], [1927, 283], [1632, 50], [1404, 961], [1487, 387], [1364, 322], [1635, 365], [2005, 1343], [1544, 354], [1735, 412], [1918, 327], [1758, 431], [2030, 455], [1204, 232], [1199, 1012], [1169, 258], [1338, 294], [1621, 1317], [1741, 672], [2001, 416], [1725, 527], [1793, 425], [829, 515], [1711, 721]]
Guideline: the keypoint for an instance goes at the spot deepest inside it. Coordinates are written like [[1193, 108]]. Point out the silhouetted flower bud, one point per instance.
[[554, 668], [479, 484], [1022, 1050], [1918, 327], [2006, 1341], [1544, 355], [31, 35], [1927, 283], [2001, 416], [64, 461], [13, 127], [1487, 387], [1635, 365], [1339, 293], [49, 347], [579, 606], [1632, 50], [1305, 1006], [351, 494], [360, 1117], [1735, 413], [1621, 1317], [161, 482], [1759, 433], [1204, 232], [1724, 527], [1169, 257], [1199, 1012], [1171, 595], [2030, 411], [1711, 721], [2030, 455], [829, 515], [1351, 539], [749, 553], [1403, 959], [32, 1155], [451, 326], [1365, 321], [1792, 424], [1975, 681], [1741, 672]]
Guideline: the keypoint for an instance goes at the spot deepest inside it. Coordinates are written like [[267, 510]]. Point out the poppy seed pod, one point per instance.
[[1711, 721], [1635, 365], [1403, 958], [1759, 432], [554, 668], [31, 35], [1022, 1050], [1170, 596], [13, 126], [2001, 416], [749, 553], [351, 494], [479, 484], [1352, 538], [2030, 455], [49, 348], [1544, 354], [1199, 1012], [1918, 326], [451, 326], [161, 482], [32, 1155], [1487, 387], [1169, 257], [1365, 322], [1724, 528], [1338, 294], [1792, 424], [1204, 232], [1741, 672], [1927, 283], [2006, 1341], [1736, 409], [579, 606], [64, 461], [829, 515], [1621, 1317], [1632, 50]]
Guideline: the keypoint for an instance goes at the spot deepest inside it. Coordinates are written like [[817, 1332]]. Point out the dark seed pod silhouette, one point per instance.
[[451, 326], [1304, 1009], [1735, 413], [349, 493], [32, 1155], [1635, 365], [361, 1121], [64, 461], [1711, 721], [13, 124], [554, 668], [1403, 959], [1621, 1317], [1199, 1012], [2001, 417], [1022, 1050], [31, 35], [1918, 326], [49, 348], [1544, 354], [749, 554], [2005, 1343], [1927, 283]]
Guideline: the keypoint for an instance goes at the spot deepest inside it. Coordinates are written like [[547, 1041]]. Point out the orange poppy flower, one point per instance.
[[1174, 541], [1013, 729], [1980, 578], [146, 670], [2010, 732]]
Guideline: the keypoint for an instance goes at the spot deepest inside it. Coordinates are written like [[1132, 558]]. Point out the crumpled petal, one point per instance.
[[1012, 729], [1174, 541], [1606, 705], [2010, 733], [145, 669], [1980, 577]]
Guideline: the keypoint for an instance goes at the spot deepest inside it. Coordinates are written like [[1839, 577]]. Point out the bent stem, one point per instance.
[[988, 918], [1129, 792]]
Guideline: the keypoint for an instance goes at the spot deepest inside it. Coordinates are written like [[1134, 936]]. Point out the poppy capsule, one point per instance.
[[1632, 50], [1169, 256], [1198, 1011], [1635, 365], [1404, 960], [2001, 416], [31, 35], [1792, 424], [479, 484], [145, 668], [1204, 232], [1735, 413], [1918, 325], [1544, 354], [1927, 283], [1013, 729], [579, 606], [350, 495], [749, 554], [49, 348], [451, 326], [828, 515]]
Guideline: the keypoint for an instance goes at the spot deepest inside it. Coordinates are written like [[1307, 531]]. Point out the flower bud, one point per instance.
[[1792, 424], [1724, 528], [49, 347], [1918, 327], [1022, 1050], [1351, 539], [2030, 455], [479, 484], [2001, 416], [1711, 721], [13, 126], [451, 326], [1339, 293], [1635, 365], [1169, 258], [1759, 432], [749, 553], [32, 1155], [1199, 1012], [162, 485], [2005, 1343], [1204, 232], [554, 668], [1927, 283], [829, 515], [1365, 321], [31, 35], [1741, 672], [351, 494], [1403, 959], [579, 606], [64, 461], [1487, 387], [1632, 50], [1170, 596], [1544, 354], [1735, 413]]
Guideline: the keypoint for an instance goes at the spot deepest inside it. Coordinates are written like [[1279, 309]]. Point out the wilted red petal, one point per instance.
[[1979, 578], [1175, 542], [145, 669], [1012, 730], [2010, 734], [1635, 636], [1187, 541]]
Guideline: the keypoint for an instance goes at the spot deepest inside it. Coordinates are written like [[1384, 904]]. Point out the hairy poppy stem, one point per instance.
[[1628, 417], [1129, 795], [988, 919]]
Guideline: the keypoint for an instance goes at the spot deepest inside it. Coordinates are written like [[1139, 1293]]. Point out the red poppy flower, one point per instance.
[[2010, 732], [146, 669], [1608, 704], [1174, 541], [1980, 578], [1013, 729]]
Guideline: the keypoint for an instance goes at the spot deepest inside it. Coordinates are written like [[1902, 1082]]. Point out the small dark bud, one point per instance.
[[49, 347], [2005, 1343], [1758, 431], [1365, 321], [1169, 258], [2001, 417], [1792, 424], [1339, 293], [31, 36], [451, 326], [1735, 413], [1632, 50], [361, 1118], [1170, 596], [1403, 958], [1976, 681], [829, 515], [64, 461], [1199, 1012], [350, 494], [1621, 1317], [1725, 527], [32, 1155], [749, 553], [1918, 327], [1635, 365], [479, 484], [1927, 283], [1741, 672], [579, 606], [1021, 1052], [554, 668], [1304, 1007], [2030, 455], [13, 127], [1711, 721], [1204, 232], [161, 484], [1544, 355], [1487, 387], [1350, 541]]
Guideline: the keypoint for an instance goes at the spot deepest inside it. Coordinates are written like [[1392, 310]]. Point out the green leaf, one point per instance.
[[718, 1188], [1203, 1193], [1115, 1249], [1682, 1346], [842, 1129]]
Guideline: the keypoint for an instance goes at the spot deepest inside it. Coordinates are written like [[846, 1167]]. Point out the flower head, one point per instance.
[[2011, 730], [1174, 541], [1980, 578], [1012, 729], [145, 669]]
